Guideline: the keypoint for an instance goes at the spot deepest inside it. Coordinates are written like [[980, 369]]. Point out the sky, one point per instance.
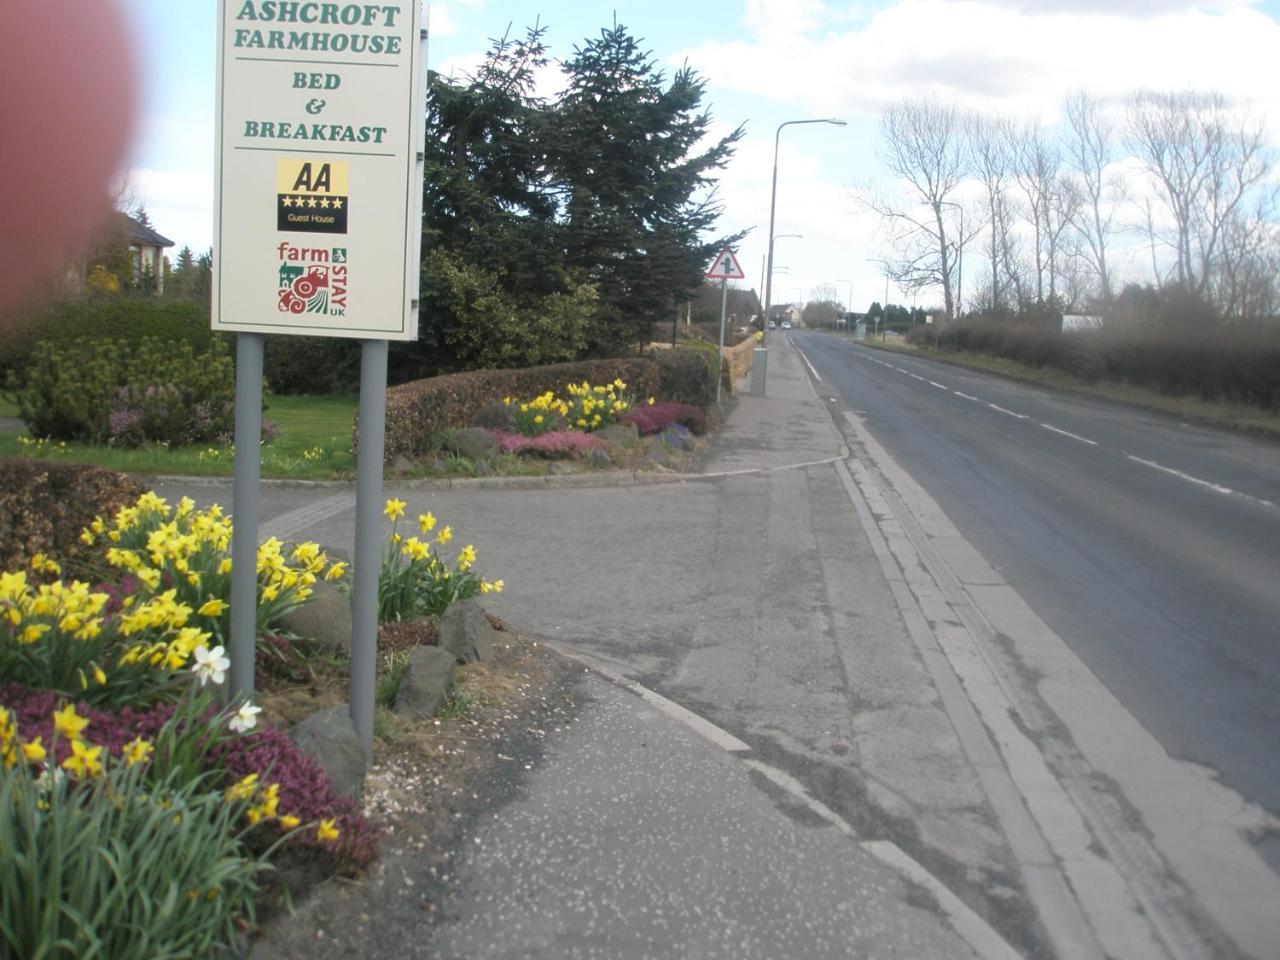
[[767, 62]]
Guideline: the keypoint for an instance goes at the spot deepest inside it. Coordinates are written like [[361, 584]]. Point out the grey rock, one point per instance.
[[325, 619], [329, 738], [427, 684], [472, 442], [336, 553], [656, 452], [599, 457], [484, 468], [560, 468], [619, 436], [466, 633], [401, 464]]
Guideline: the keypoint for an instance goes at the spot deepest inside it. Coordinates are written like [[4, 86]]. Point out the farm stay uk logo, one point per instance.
[[312, 280]]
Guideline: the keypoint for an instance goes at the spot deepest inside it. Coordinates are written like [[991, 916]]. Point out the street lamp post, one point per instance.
[[884, 306], [960, 258], [849, 309], [758, 388]]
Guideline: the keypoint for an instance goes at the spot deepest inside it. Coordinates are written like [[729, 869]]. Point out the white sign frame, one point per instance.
[[342, 87]]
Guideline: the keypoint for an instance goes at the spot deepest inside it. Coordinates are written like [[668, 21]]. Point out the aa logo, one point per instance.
[[312, 196]]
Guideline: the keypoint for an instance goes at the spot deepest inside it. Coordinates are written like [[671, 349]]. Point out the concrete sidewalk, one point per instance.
[[785, 782]]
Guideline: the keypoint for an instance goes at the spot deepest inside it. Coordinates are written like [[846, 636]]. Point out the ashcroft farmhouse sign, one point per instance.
[[319, 185]]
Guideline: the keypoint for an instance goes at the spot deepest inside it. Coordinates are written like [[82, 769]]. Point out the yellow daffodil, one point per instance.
[[336, 571], [244, 788], [83, 761], [33, 751], [326, 831], [33, 632], [426, 522], [289, 821], [68, 723], [444, 536], [212, 608], [137, 751], [394, 509], [466, 557]]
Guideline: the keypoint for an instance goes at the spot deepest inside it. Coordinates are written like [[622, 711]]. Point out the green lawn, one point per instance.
[[312, 441]]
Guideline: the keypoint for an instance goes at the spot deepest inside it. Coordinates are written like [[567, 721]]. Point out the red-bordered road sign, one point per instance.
[[726, 267]]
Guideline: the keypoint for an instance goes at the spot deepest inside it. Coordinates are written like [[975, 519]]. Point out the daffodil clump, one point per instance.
[[179, 839], [414, 579], [540, 415], [186, 553], [58, 636], [584, 407], [594, 408]]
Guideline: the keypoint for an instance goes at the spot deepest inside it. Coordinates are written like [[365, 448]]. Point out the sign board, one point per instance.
[[318, 211], [726, 267]]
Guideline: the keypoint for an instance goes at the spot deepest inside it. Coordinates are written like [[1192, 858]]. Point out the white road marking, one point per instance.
[[966, 396], [940, 386], [1208, 484], [999, 409], [1067, 433], [916, 376], [809, 365]]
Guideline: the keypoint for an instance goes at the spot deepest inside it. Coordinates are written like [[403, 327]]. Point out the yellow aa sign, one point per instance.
[[316, 177]]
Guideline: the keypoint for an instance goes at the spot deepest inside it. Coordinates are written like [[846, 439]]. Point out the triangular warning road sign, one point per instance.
[[726, 267]]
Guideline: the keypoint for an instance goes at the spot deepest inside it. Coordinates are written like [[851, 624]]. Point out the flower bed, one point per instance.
[[119, 762]]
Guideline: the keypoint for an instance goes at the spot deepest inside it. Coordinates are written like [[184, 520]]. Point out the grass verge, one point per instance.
[[1250, 420]]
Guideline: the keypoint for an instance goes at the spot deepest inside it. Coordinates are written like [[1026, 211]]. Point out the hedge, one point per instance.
[[1236, 363], [106, 317], [420, 411], [45, 505]]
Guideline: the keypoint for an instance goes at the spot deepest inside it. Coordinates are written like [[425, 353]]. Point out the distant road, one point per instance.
[[1150, 546]]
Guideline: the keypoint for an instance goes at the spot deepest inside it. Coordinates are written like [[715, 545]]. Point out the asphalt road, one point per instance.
[[1152, 547]]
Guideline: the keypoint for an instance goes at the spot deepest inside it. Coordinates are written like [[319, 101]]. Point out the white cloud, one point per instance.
[[999, 57], [179, 204]]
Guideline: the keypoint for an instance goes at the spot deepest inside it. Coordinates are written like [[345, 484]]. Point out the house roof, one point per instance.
[[143, 235]]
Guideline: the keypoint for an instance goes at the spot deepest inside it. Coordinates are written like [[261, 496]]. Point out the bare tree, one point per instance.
[[1206, 158], [989, 160], [921, 143], [1087, 142], [1247, 282], [1035, 169]]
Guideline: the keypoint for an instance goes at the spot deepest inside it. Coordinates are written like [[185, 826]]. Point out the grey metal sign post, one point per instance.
[[317, 232], [244, 512], [724, 269]]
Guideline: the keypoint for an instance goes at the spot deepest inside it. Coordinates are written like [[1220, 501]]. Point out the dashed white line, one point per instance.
[[940, 386], [965, 396], [1207, 484], [1067, 433], [999, 409], [916, 376]]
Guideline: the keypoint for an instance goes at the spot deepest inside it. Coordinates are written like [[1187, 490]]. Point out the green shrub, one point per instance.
[[45, 506], [128, 392], [323, 365], [96, 318], [419, 412], [109, 868], [688, 374]]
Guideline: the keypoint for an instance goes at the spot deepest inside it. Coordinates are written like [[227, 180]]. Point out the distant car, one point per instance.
[[772, 325], [786, 324]]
